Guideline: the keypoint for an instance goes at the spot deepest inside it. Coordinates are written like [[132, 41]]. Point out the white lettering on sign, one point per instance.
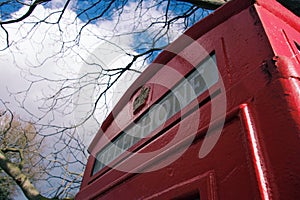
[[195, 84]]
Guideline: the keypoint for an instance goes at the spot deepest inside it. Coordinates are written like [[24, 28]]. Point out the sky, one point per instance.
[[46, 54], [37, 50]]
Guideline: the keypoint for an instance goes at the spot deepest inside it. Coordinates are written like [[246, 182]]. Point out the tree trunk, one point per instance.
[[20, 178]]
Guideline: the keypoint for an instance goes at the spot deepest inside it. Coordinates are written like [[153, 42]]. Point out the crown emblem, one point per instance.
[[140, 100]]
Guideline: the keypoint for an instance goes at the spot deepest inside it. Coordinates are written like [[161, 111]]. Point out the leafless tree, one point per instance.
[[69, 93]]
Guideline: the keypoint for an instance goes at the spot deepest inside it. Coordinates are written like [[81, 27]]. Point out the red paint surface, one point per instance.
[[258, 161], [257, 155]]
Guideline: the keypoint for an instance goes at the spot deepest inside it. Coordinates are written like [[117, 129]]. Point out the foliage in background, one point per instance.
[[20, 143], [52, 44]]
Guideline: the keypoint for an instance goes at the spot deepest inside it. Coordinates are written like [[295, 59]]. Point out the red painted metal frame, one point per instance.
[[257, 155]]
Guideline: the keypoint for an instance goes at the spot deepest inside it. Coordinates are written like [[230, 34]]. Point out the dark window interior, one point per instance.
[[297, 45], [193, 196]]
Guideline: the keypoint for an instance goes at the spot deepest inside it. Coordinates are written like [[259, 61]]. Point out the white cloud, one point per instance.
[[56, 48], [37, 52]]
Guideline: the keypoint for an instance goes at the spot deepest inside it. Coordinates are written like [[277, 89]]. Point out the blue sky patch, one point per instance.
[[8, 7], [146, 39], [92, 9]]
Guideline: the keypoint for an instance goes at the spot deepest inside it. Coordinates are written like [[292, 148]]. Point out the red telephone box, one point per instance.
[[215, 116]]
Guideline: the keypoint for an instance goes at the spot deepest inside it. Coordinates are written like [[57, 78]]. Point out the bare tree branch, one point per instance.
[[151, 25], [207, 4], [20, 178], [20, 152], [7, 37], [27, 14]]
